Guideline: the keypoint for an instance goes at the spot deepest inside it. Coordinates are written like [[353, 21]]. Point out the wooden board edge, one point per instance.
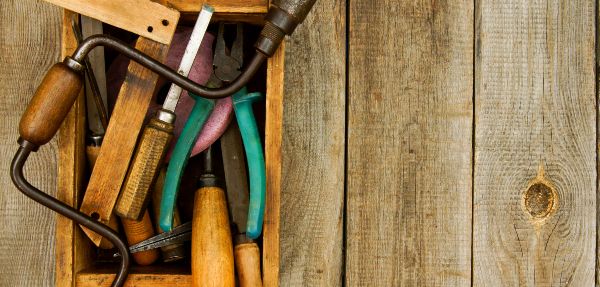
[[145, 18], [147, 280], [71, 166], [221, 6], [273, 141]]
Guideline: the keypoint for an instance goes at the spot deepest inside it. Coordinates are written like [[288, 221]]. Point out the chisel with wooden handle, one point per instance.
[[157, 135], [212, 250], [246, 251]]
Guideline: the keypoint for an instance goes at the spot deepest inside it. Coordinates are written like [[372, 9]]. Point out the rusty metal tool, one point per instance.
[[157, 135], [246, 251], [177, 235], [60, 87]]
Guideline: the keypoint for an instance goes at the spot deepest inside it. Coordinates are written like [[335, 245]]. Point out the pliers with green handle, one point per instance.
[[242, 103]]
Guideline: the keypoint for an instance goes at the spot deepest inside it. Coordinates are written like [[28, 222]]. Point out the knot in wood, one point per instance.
[[539, 200]]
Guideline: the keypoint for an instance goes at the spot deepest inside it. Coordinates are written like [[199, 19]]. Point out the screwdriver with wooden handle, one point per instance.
[[157, 135], [212, 250], [246, 251]]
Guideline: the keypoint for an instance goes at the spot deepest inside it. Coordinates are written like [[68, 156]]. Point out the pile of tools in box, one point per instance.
[[136, 171]]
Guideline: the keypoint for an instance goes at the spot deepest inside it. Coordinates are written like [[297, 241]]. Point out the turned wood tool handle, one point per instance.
[[147, 160], [212, 250], [247, 264], [137, 231], [50, 104]]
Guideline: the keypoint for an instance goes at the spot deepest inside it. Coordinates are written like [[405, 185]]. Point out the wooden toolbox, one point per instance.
[[76, 257]]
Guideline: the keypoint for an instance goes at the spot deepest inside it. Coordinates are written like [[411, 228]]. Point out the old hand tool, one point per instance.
[[176, 250], [194, 124], [148, 157], [212, 250], [97, 117], [157, 135], [178, 235], [246, 251], [61, 85]]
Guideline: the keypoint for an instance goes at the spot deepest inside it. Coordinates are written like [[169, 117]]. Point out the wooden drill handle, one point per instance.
[[247, 264], [137, 231], [144, 168], [212, 250], [50, 104]]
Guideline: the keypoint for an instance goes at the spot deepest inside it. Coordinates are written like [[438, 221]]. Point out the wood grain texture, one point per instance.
[[121, 136], [212, 247], [409, 143], [29, 46], [312, 185], [221, 6], [273, 141], [144, 168], [247, 264], [72, 248], [142, 17], [138, 231], [535, 124]]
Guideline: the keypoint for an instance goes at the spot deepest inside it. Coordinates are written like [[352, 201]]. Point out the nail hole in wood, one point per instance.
[[150, 29], [95, 216], [539, 200], [165, 22]]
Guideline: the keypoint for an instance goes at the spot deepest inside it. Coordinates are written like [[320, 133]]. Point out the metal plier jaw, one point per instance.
[[227, 63]]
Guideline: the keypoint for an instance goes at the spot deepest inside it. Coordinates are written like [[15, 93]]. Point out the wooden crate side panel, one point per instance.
[[409, 172], [312, 188], [535, 154]]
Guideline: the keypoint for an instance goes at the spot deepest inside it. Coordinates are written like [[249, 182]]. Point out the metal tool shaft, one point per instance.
[[189, 56]]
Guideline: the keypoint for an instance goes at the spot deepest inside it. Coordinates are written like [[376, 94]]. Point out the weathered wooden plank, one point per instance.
[[312, 193], [29, 44], [535, 154], [409, 143]]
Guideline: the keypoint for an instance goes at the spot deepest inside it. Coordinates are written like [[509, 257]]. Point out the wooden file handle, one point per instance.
[[212, 250], [147, 160], [247, 264], [137, 231], [50, 104]]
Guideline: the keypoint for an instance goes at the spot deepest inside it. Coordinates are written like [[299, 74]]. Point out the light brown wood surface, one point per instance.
[[137, 231], [409, 143], [247, 264], [121, 137], [273, 141], [212, 247], [142, 17], [312, 184], [221, 6], [144, 168], [29, 46], [535, 123], [72, 248]]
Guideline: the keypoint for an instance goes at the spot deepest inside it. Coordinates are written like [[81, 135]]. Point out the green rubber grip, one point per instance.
[[179, 158], [242, 104]]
